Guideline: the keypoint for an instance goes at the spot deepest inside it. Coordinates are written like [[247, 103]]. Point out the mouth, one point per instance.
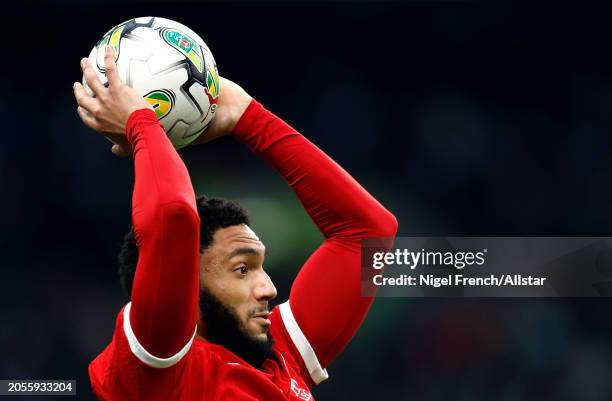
[[262, 318]]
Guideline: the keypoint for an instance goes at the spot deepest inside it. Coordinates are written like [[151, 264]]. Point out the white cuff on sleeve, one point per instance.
[[143, 354], [317, 373]]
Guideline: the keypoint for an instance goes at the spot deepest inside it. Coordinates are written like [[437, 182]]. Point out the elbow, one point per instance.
[[377, 222], [166, 220], [181, 216], [382, 229], [383, 224], [370, 222]]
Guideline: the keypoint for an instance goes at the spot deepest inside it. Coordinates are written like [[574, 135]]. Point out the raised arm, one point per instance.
[[166, 226], [325, 298], [160, 321]]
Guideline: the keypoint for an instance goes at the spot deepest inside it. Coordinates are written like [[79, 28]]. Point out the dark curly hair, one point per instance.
[[215, 213]]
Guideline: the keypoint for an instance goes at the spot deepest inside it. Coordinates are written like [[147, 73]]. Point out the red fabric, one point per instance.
[[325, 297], [208, 372], [167, 229]]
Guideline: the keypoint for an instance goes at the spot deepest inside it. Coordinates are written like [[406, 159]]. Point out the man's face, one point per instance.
[[231, 271]]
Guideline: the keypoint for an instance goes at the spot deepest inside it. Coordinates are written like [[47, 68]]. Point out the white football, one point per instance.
[[171, 67]]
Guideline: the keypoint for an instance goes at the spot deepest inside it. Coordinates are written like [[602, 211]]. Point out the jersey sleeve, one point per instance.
[[161, 319], [119, 374], [325, 306]]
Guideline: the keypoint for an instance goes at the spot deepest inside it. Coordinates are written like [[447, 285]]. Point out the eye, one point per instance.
[[243, 270]]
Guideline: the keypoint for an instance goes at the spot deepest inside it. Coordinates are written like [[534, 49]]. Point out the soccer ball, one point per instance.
[[171, 67]]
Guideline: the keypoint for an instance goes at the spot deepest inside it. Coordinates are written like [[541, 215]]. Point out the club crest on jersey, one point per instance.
[[112, 38], [162, 102], [184, 44]]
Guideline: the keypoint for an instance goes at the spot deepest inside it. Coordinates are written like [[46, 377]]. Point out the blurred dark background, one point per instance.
[[463, 118]]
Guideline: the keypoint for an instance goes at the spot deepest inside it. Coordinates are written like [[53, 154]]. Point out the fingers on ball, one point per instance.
[[111, 68], [91, 78], [82, 98]]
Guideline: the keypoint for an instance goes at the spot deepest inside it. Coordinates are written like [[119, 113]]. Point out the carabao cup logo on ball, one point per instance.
[[184, 44], [190, 49]]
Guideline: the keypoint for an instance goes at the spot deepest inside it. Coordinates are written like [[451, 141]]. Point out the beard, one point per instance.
[[222, 326]]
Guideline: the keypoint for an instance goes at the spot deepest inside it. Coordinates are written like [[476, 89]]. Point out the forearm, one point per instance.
[[166, 226], [339, 206]]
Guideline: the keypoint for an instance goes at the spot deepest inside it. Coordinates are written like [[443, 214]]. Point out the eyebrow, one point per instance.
[[244, 251]]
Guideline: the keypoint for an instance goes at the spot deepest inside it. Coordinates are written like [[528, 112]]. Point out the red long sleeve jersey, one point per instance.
[[154, 354]]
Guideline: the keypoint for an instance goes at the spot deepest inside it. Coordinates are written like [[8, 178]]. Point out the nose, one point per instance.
[[264, 289]]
